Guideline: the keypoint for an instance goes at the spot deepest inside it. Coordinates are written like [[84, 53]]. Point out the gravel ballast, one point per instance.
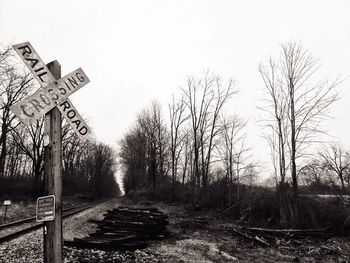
[[29, 247]]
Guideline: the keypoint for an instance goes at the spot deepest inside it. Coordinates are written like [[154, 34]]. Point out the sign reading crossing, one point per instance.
[[46, 99], [45, 208]]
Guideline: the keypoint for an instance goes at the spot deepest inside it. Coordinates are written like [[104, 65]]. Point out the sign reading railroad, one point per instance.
[[45, 208], [54, 93]]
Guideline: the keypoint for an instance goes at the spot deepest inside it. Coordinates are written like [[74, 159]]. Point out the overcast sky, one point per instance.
[[136, 51]]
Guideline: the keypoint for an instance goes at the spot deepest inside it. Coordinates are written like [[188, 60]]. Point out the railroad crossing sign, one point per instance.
[[45, 208], [51, 100], [54, 93]]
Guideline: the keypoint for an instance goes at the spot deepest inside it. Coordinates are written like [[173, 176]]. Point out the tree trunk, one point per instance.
[[36, 176], [283, 208], [3, 143], [341, 177], [293, 155], [196, 173], [184, 169], [172, 173]]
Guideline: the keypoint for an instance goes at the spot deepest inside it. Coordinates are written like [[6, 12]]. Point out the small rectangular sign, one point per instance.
[[43, 100], [45, 208], [7, 202]]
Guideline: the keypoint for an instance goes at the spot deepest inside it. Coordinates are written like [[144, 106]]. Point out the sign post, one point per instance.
[[53, 178], [6, 204]]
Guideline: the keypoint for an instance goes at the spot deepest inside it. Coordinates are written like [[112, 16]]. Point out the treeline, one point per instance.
[[195, 149], [328, 172], [88, 166], [197, 153]]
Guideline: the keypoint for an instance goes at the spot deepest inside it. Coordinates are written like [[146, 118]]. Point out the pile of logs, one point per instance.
[[125, 228]]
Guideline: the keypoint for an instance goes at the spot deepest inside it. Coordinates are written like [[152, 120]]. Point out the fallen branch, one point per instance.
[[256, 239], [227, 209], [257, 229]]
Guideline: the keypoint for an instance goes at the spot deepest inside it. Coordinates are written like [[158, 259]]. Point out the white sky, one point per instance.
[[135, 51]]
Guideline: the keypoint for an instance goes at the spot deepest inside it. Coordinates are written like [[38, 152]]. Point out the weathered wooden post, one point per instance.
[[5, 214], [6, 204], [53, 178]]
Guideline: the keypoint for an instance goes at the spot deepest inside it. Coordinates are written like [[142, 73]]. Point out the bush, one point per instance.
[[319, 211], [319, 188], [258, 205], [263, 205], [19, 189]]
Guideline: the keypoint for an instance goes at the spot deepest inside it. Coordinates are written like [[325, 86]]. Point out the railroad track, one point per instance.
[[17, 228]]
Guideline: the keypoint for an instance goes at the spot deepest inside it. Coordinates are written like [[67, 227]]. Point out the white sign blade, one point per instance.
[[74, 119], [43, 100], [36, 66], [43, 75]]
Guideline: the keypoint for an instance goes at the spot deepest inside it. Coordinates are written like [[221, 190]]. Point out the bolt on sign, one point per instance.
[[53, 93], [45, 208]]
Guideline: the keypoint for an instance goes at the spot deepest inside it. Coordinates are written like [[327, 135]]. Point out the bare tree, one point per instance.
[[154, 130], [312, 172], [222, 95], [299, 106], [72, 150], [32, 145], [14, 86], [187, 159], [337, 161], [198, 106], [231, 150], [205, 99], [276, 106], [144, 151], [16, 161], [308, 103], [177, 118]]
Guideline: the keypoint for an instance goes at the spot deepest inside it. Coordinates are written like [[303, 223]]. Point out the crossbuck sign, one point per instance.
[[54, 93]]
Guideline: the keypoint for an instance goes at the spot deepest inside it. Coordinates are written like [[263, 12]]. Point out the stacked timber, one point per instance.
[[125, 228]]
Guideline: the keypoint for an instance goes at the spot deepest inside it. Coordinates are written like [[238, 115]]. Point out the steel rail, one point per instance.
[[37, 225]]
